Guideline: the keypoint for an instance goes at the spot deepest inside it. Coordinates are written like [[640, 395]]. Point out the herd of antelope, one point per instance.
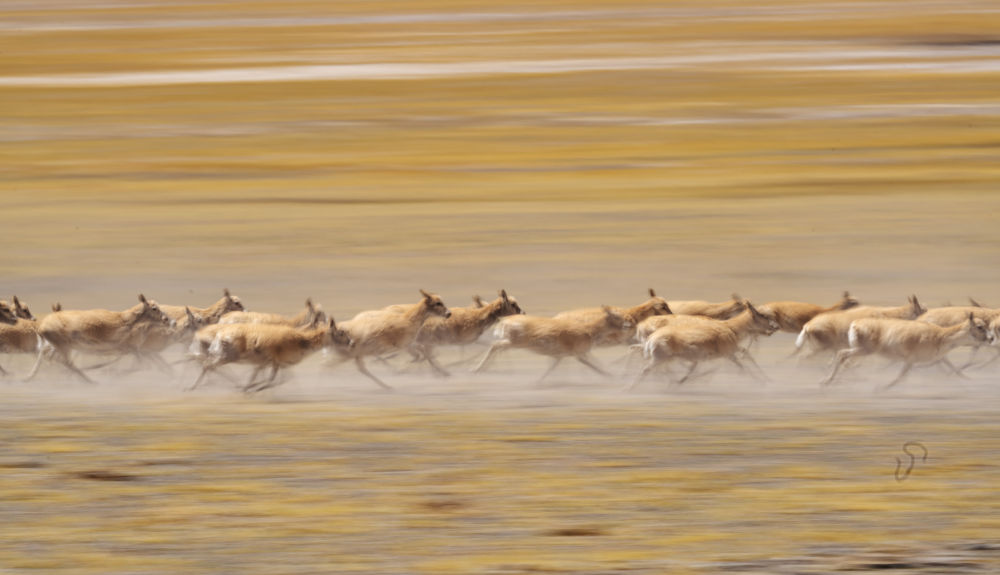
[[663, 331]]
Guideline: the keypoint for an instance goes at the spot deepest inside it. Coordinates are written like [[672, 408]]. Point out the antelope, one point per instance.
[[954, 315], [721, 310], [828, 331], [699, 339], [267, 345], [7, 314], [792, 315], [204, 335], [378, 332], [147, 341], [647, 326], [19, 310], [654, 306], [95, 330], [303, 318], [211, 314], [17, 334], [556, 337], [911, 342], [153, 339], [464, 326]]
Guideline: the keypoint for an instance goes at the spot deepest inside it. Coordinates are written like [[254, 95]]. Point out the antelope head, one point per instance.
[[233, 303], [21, 310], [847, 302], [660, 305], [7, 314], [151, 312], [509, 305], [762, 323], [192, 321], [435, 305], [339, 337], [916, 310], [979, 330]]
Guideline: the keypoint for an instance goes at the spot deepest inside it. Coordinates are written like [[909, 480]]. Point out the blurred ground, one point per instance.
[[572, 153]]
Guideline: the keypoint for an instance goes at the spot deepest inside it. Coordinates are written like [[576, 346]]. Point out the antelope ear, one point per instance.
[[142, 299], [652, 292], [737, 297], [425, 294], [503, 294], [333, 323], [309, 304]]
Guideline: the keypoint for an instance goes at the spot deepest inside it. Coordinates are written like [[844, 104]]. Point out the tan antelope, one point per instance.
[[266, 345], [147, 341], [649, 325], [203, 336], [380, 332], [17, 335], [154, 339], [654, 306], [954, 315], [151, 340], [721, 310], [698, 339], [556, 337], [911, 342], [7, 314], [19, 310], [791, 316], [94, 331], [208, 315], [302, 319], [465, 325], [828, 331]]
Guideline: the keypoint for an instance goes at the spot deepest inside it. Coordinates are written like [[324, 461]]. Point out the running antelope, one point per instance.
[[911, 342], [379, 332], [700, 339], [95, 331]]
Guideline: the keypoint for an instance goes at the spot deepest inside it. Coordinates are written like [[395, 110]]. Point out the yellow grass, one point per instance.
[[451, 490]]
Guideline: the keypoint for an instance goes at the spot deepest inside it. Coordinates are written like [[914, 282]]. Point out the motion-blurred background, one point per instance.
[[572, 152]]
